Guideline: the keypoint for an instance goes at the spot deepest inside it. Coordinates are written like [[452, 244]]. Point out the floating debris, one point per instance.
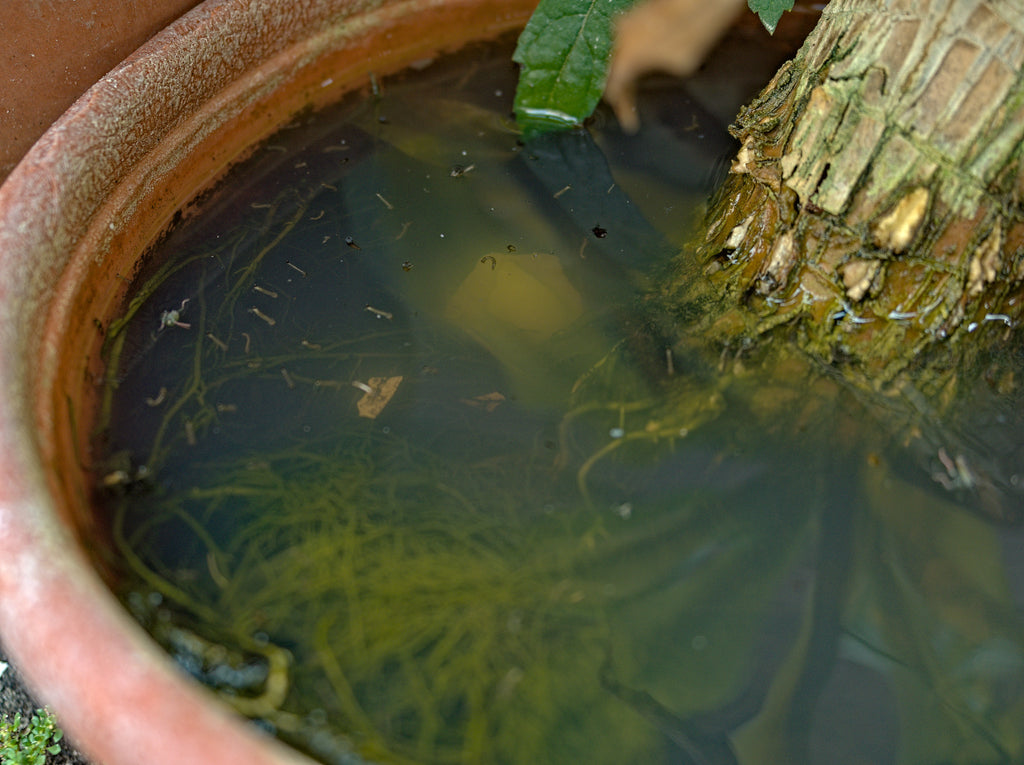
[[172, 318], [380, 314], [488, 401], [377, 392], [115, 478]]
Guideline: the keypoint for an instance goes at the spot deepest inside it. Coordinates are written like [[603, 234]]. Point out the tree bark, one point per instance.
[[874, 212]]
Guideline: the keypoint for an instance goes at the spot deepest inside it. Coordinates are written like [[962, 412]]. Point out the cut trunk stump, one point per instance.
[[873, 212], [871, 232]]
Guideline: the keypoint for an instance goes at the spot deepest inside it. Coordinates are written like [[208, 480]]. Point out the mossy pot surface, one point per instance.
[[76, 216]]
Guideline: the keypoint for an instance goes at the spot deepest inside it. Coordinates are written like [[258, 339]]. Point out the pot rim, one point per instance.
[[75, 216]]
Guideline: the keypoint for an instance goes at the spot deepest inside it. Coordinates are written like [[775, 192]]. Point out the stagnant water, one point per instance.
[[387, 469]]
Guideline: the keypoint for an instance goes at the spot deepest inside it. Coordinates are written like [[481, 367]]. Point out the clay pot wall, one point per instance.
[[52, 52], [75, 216]]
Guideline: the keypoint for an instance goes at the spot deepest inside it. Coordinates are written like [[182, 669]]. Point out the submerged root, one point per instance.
[[440, 610]]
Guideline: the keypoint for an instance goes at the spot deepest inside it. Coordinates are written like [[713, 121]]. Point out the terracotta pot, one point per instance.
[[75, 216], [60, 49]]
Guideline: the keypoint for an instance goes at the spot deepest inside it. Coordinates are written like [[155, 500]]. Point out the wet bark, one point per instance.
[[874, 212]]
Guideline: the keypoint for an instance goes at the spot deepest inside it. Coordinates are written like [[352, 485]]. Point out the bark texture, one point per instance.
[[874, 212]]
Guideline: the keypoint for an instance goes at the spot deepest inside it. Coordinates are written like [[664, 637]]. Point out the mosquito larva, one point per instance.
[[217, 341], [159, 398], [260, 315]]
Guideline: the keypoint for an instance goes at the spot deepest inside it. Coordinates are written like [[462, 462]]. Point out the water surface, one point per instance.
[[398, 465]]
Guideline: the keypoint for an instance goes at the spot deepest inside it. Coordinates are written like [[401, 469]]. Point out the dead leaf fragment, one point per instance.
[[489, 401], [381, 391], [662, 35]]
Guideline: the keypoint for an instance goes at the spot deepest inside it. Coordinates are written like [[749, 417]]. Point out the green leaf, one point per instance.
[[770, 11], [564, 54]]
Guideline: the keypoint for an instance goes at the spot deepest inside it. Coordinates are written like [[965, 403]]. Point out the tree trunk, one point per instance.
[[873, 213]]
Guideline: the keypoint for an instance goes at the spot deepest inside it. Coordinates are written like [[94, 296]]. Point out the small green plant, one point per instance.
[[31, 745]]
